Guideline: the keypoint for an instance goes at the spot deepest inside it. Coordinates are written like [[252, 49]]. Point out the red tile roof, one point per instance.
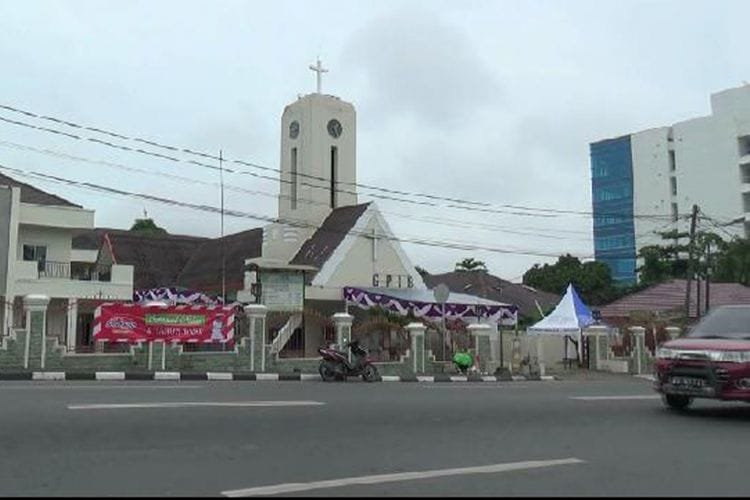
[[669, 297]]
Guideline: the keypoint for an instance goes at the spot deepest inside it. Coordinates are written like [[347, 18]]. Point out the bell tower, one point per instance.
[[318, 168], [318, 156]]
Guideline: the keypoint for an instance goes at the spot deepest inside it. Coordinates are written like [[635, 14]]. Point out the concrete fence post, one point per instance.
[[673, 332], [35, 348], [540, 353], [639, 351], [481, 333], [596, 334], [343, 323], [256, 314], [416, 333]]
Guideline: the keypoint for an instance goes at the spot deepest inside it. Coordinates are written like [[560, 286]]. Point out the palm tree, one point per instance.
[[471, 264]]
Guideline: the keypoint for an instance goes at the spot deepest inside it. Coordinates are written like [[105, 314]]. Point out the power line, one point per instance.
[[432, 220], [263, 218], [474, 205]]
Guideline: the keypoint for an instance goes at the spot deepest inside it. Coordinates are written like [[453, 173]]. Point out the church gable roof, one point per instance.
[[30, 194], [318, 249]]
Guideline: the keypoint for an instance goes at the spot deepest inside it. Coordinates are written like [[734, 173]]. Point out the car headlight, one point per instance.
[[664, 353], [730, 356]]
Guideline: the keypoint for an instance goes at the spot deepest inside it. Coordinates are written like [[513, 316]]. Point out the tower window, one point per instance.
[[672, 161], [673, 185], [334, 172], [675, 214], [294, 178]]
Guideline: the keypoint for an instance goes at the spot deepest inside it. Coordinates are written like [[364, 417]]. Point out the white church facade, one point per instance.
[[322, 229]]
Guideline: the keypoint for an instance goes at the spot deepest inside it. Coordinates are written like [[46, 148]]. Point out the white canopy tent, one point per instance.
[[568, 319]]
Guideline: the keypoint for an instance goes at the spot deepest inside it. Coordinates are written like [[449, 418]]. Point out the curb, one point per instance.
[[249, 376]]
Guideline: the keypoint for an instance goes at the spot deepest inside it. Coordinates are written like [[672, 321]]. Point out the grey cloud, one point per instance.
[[414, 62]]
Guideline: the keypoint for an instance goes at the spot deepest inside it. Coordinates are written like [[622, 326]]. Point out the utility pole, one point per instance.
[[691, 246], [708, 277], [223, 243]]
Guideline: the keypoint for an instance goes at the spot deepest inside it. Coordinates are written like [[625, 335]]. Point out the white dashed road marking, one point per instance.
[[615, 398], [400, 476], [189, 404]]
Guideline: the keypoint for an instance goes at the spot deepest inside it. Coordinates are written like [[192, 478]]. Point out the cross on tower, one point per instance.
[[319, 70]]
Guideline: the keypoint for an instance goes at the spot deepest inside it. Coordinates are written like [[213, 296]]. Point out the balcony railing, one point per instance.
[[62, 270]]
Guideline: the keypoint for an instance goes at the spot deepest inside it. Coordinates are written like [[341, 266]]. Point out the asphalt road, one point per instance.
[[209, 438]]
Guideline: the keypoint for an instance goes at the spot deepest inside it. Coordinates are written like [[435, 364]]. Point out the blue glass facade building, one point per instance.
[[612, 198]]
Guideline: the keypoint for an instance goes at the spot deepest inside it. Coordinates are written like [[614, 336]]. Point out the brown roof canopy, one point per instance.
[[487, 286], [30, 194], [203, 270], [670, 297]]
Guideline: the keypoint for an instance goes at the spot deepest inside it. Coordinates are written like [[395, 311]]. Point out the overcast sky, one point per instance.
[[490, 101]]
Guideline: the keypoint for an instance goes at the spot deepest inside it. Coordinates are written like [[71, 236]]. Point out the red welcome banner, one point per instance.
[[180, 324]]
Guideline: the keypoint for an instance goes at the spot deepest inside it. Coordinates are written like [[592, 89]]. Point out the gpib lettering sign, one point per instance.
[[134, 323]]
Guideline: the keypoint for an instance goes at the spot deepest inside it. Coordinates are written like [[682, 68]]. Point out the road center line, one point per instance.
[[614, 398], [189, 404], [90, 386], [400, 476]]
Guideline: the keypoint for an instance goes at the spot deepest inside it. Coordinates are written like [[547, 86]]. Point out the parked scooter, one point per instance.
[[335, 364]]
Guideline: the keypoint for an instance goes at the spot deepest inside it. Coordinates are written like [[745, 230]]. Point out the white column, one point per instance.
[[416, 333], [36, 304], [70, 341], [343, 322], [540, 353], [594, 333], [639, 337], [257, 314], [9, 314]]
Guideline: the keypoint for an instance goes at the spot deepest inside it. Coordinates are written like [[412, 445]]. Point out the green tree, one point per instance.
[[732, 263], [147, 226], [670, 261], [593, 280], [471, 264]]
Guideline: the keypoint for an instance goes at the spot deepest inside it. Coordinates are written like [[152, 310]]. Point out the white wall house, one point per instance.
[[37, 257], [648, 181]]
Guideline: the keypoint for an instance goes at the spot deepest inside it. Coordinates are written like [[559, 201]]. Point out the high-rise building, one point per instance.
[[647, 182]]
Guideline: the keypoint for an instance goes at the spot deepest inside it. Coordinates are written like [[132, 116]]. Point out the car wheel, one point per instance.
[[676, 401]]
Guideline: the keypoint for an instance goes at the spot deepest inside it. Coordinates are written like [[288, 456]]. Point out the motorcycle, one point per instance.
[[335, 364]]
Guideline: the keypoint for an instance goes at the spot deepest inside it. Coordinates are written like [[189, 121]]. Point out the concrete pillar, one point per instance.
[[257, 313], [540, 353], [639, 348], [481, 333], [70, 340], [343, 323], [35, 347], [597, 336], [416, 333], [673, 332], [515, 363], [9, 314]]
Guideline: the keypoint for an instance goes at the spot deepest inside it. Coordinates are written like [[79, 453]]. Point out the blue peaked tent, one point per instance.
[[569, 318], [571, 315]]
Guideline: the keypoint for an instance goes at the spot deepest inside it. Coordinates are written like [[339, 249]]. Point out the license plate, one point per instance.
[[690, 382]]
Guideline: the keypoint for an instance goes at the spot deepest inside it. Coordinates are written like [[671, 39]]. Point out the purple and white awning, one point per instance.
[[422, 304], [174, 296]]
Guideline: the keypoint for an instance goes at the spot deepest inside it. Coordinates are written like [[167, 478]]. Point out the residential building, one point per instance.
[[37, 256], [647, 182]]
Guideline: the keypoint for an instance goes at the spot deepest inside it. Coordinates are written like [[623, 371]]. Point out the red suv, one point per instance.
[[711, 361]]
